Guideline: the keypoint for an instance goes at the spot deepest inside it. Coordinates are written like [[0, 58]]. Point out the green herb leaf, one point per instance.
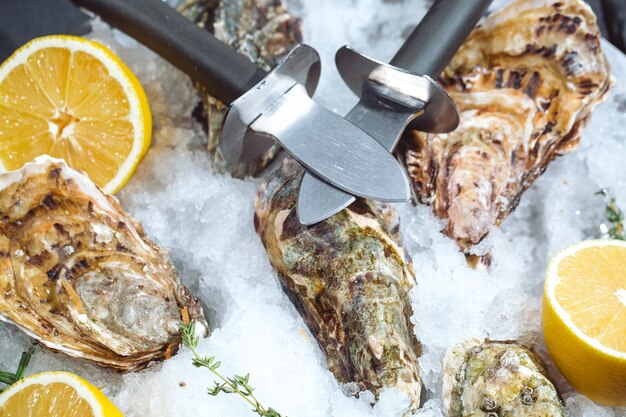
[[613, 214], [7, 378], [24, 361]]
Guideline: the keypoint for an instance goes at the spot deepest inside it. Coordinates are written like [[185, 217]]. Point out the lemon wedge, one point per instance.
[[72, 98], [584, 318], [55, 394]]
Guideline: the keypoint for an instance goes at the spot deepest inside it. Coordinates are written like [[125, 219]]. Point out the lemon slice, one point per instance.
[[72, 98], [55, 394], [584, 318]]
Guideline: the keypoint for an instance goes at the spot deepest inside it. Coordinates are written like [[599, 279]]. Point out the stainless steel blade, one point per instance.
[[391, 99], [339, 152], [317, 200]]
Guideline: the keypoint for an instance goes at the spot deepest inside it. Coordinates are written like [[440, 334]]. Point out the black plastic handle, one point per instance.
[[225, 73], [431, 45]]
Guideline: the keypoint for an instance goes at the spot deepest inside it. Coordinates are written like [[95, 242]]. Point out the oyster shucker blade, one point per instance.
[[396, 95], [265, 106], [279, 108]]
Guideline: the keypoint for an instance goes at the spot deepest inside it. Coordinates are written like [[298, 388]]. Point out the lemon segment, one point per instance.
[[584, 318], [55, 394], [72, 98]]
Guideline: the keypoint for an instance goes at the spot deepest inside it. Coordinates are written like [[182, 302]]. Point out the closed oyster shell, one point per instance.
[[497, 379], [262, 30], [525, 82], [349, 278], [78, 274]]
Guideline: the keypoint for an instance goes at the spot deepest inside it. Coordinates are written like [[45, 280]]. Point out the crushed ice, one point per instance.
[[205, 219]]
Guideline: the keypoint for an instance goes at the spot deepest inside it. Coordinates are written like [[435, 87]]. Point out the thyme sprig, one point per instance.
[[9, 378], [614, 215], [229, 385]]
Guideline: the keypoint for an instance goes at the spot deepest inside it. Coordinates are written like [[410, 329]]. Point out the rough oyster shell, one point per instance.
[[263, 31], [78, 274], [349, 278], [525, 82], [497, 379]]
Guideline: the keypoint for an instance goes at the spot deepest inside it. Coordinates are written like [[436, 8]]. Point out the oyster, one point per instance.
[[78, 274], [349, 278], [263, 31], [525, 82], [497, 379]]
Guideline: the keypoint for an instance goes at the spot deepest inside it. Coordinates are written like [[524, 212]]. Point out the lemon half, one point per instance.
[[584, 318], [72, 98]]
